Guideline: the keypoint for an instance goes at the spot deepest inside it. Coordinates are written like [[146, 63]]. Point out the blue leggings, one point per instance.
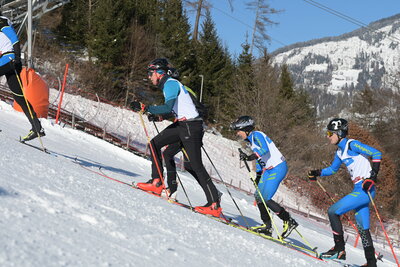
[[357, 200], [270, 181]]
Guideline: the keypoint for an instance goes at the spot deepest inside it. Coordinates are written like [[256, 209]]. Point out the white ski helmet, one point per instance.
[[243, 123]]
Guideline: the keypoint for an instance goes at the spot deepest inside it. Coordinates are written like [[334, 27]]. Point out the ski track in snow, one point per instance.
[[55, 213]]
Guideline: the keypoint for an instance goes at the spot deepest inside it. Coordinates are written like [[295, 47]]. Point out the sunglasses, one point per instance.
[[329, 133], [150, 73]]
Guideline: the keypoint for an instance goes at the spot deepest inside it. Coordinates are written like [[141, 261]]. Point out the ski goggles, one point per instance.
[[150, 73], [330, 133]]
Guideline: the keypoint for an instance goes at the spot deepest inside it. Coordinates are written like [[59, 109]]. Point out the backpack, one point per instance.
[[200, 107]]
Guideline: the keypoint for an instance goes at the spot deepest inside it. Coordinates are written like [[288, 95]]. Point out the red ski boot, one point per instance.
[[153, 185], [214, 209]]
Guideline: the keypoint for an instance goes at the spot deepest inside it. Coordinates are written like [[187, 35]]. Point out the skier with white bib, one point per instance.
[[272, 169], [186, 129], [354, 155]]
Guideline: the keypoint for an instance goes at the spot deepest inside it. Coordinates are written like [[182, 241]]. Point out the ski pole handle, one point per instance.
[[245, 162]]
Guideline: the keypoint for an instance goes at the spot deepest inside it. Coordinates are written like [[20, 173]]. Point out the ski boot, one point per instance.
[[171, 190], [337, 252], [33, 134], [370, 256], [213, 209], [334, 254], [288, 226], [219, 196], [171, 193], [153, 185], [262, 229], [369, 264]]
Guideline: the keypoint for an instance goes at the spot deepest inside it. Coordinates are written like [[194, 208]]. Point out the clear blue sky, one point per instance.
[[299, 21]]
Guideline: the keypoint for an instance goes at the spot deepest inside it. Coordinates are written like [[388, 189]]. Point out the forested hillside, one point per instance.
[[109, 44]]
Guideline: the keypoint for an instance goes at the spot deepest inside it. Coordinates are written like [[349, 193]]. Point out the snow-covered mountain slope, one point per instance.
[[56, 213], [368, 56]]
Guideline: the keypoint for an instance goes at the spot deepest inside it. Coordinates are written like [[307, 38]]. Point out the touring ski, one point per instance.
[[36, 147], [223, 219]]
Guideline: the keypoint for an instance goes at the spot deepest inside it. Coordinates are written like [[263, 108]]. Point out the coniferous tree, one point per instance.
[[213, 63], [244, 83], [74, 25], [286, 90], [245, 66], [146, 13], [107, 41], [225, 91], [174, 39]]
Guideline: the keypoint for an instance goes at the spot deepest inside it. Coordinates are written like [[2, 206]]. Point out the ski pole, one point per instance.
[[229, 192], [306, 241], [153, 153], [383, 228], [262, 198], [179, 179], [29, 108]]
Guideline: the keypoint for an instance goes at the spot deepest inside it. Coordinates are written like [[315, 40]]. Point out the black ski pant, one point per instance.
[[190, 134], [11, 74], [169, 154]]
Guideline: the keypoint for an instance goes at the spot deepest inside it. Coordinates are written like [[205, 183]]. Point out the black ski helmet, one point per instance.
[[339, 126], [243, 123], [159, 64]]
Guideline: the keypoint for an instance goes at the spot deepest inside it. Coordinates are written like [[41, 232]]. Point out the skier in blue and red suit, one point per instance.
[[354, 155]]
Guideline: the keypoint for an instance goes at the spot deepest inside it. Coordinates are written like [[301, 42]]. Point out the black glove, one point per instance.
[[137, 106], [262, 163], [373, 175], [17, 66], [258, 177], [156, 118], [313, 174], [242, 155], [17, 60], [368, 184]]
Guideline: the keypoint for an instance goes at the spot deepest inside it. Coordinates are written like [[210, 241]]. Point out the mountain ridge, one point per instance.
[[334, 69], [371, 26]]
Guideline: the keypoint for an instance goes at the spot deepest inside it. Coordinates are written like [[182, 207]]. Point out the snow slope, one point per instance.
[[56, 213]]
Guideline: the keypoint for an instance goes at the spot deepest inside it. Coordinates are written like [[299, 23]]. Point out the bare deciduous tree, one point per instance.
[[198, 6], [262, 20]]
